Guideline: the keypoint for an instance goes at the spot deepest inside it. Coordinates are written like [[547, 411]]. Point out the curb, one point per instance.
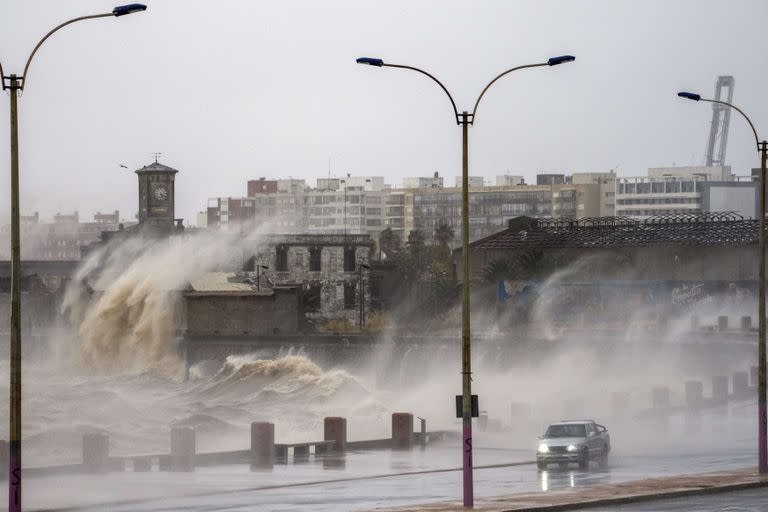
[[639, 498]]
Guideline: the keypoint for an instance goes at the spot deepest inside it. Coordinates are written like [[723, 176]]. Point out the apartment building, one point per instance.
[[366, 205], [435, 181], [509, 180], [679, 190], [61, 239]]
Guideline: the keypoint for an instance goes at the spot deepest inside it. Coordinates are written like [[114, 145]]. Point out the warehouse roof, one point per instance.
[[712, 229]]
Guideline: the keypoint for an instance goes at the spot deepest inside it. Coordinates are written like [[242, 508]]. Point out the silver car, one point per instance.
[[577, 442]]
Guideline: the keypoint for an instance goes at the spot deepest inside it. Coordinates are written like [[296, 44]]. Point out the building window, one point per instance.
[[312, 295], [349, 259], [315, 254], [281, 259], [349, 295]]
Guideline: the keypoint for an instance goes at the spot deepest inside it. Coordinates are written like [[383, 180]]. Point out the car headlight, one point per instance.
[[571, 448], [543, 448]]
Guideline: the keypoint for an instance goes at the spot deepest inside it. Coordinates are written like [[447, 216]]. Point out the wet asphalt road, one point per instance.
[[369, 480], [370, 493]]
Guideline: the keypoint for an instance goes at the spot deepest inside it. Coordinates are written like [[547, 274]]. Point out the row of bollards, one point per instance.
[[723, 388], [745, 323], [739, 385], [263, 452]]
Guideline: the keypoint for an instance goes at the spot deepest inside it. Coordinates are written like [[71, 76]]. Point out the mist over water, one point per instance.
[[119, 371]]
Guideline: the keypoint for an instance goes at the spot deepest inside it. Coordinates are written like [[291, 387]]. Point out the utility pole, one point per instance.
[[762, 409], [465, 119], [16, 84]]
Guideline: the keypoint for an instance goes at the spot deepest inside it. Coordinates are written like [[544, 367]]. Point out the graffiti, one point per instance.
[[690, 294]]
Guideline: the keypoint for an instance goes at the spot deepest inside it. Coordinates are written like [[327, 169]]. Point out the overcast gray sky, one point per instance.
[[232, 90]]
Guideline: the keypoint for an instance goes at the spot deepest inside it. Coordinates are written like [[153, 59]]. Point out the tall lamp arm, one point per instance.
[[737, 109], [474, 110], [39, 44], [453, 103]]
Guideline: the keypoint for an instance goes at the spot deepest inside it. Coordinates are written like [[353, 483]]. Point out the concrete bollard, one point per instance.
[[746, 323], [281, 454], [660, 398], [335, 429], [3, 460], [720, 388], [694, 394], [301, 453], [740, 383], [262, 445], [142, 464], [182, 449], [95, 453], [754, 376], [722, 323], [402, 430]]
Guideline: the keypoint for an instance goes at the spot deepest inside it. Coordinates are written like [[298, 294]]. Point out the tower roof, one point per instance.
[[156, 167]]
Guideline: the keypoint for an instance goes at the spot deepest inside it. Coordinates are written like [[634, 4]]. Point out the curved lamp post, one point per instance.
[[762, 148], [465, 119], [15, 84]]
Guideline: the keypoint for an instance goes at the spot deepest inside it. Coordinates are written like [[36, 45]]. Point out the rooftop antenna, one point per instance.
[[156, 155]]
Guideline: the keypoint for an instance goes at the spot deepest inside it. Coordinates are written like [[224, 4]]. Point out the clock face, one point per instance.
[[160, 193]]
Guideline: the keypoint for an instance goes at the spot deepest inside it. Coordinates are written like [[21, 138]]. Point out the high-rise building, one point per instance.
[[261, 186], [679, 190], [509, 180], [474, 181], [359, 205], [435, 181]]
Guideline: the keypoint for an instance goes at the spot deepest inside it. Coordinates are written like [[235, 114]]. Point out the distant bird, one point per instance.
[[123, 166]]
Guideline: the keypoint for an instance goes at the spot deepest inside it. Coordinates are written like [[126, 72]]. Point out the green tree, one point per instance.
[[444, 236], [415, 240]]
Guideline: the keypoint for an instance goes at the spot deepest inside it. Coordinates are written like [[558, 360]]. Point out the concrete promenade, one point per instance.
[[608, 494]]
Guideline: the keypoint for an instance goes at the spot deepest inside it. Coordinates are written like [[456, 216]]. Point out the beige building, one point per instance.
[[365, 205]]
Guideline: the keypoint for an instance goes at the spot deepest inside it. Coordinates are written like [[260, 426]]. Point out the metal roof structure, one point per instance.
[[726, 229]]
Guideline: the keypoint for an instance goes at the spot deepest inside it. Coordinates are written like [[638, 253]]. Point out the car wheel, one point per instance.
[[584, 461], [541, 465]]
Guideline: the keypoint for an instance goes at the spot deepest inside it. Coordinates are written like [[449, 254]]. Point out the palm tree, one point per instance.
[[444, 235], [415, 240]]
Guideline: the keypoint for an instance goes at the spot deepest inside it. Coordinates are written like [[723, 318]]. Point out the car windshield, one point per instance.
[[566, 431]]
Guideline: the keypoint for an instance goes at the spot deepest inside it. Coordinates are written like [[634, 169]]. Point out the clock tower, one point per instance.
[[156, 197]]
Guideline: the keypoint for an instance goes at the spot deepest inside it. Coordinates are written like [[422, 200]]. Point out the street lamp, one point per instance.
[[15, 84], [465, 119], [762, 148]]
